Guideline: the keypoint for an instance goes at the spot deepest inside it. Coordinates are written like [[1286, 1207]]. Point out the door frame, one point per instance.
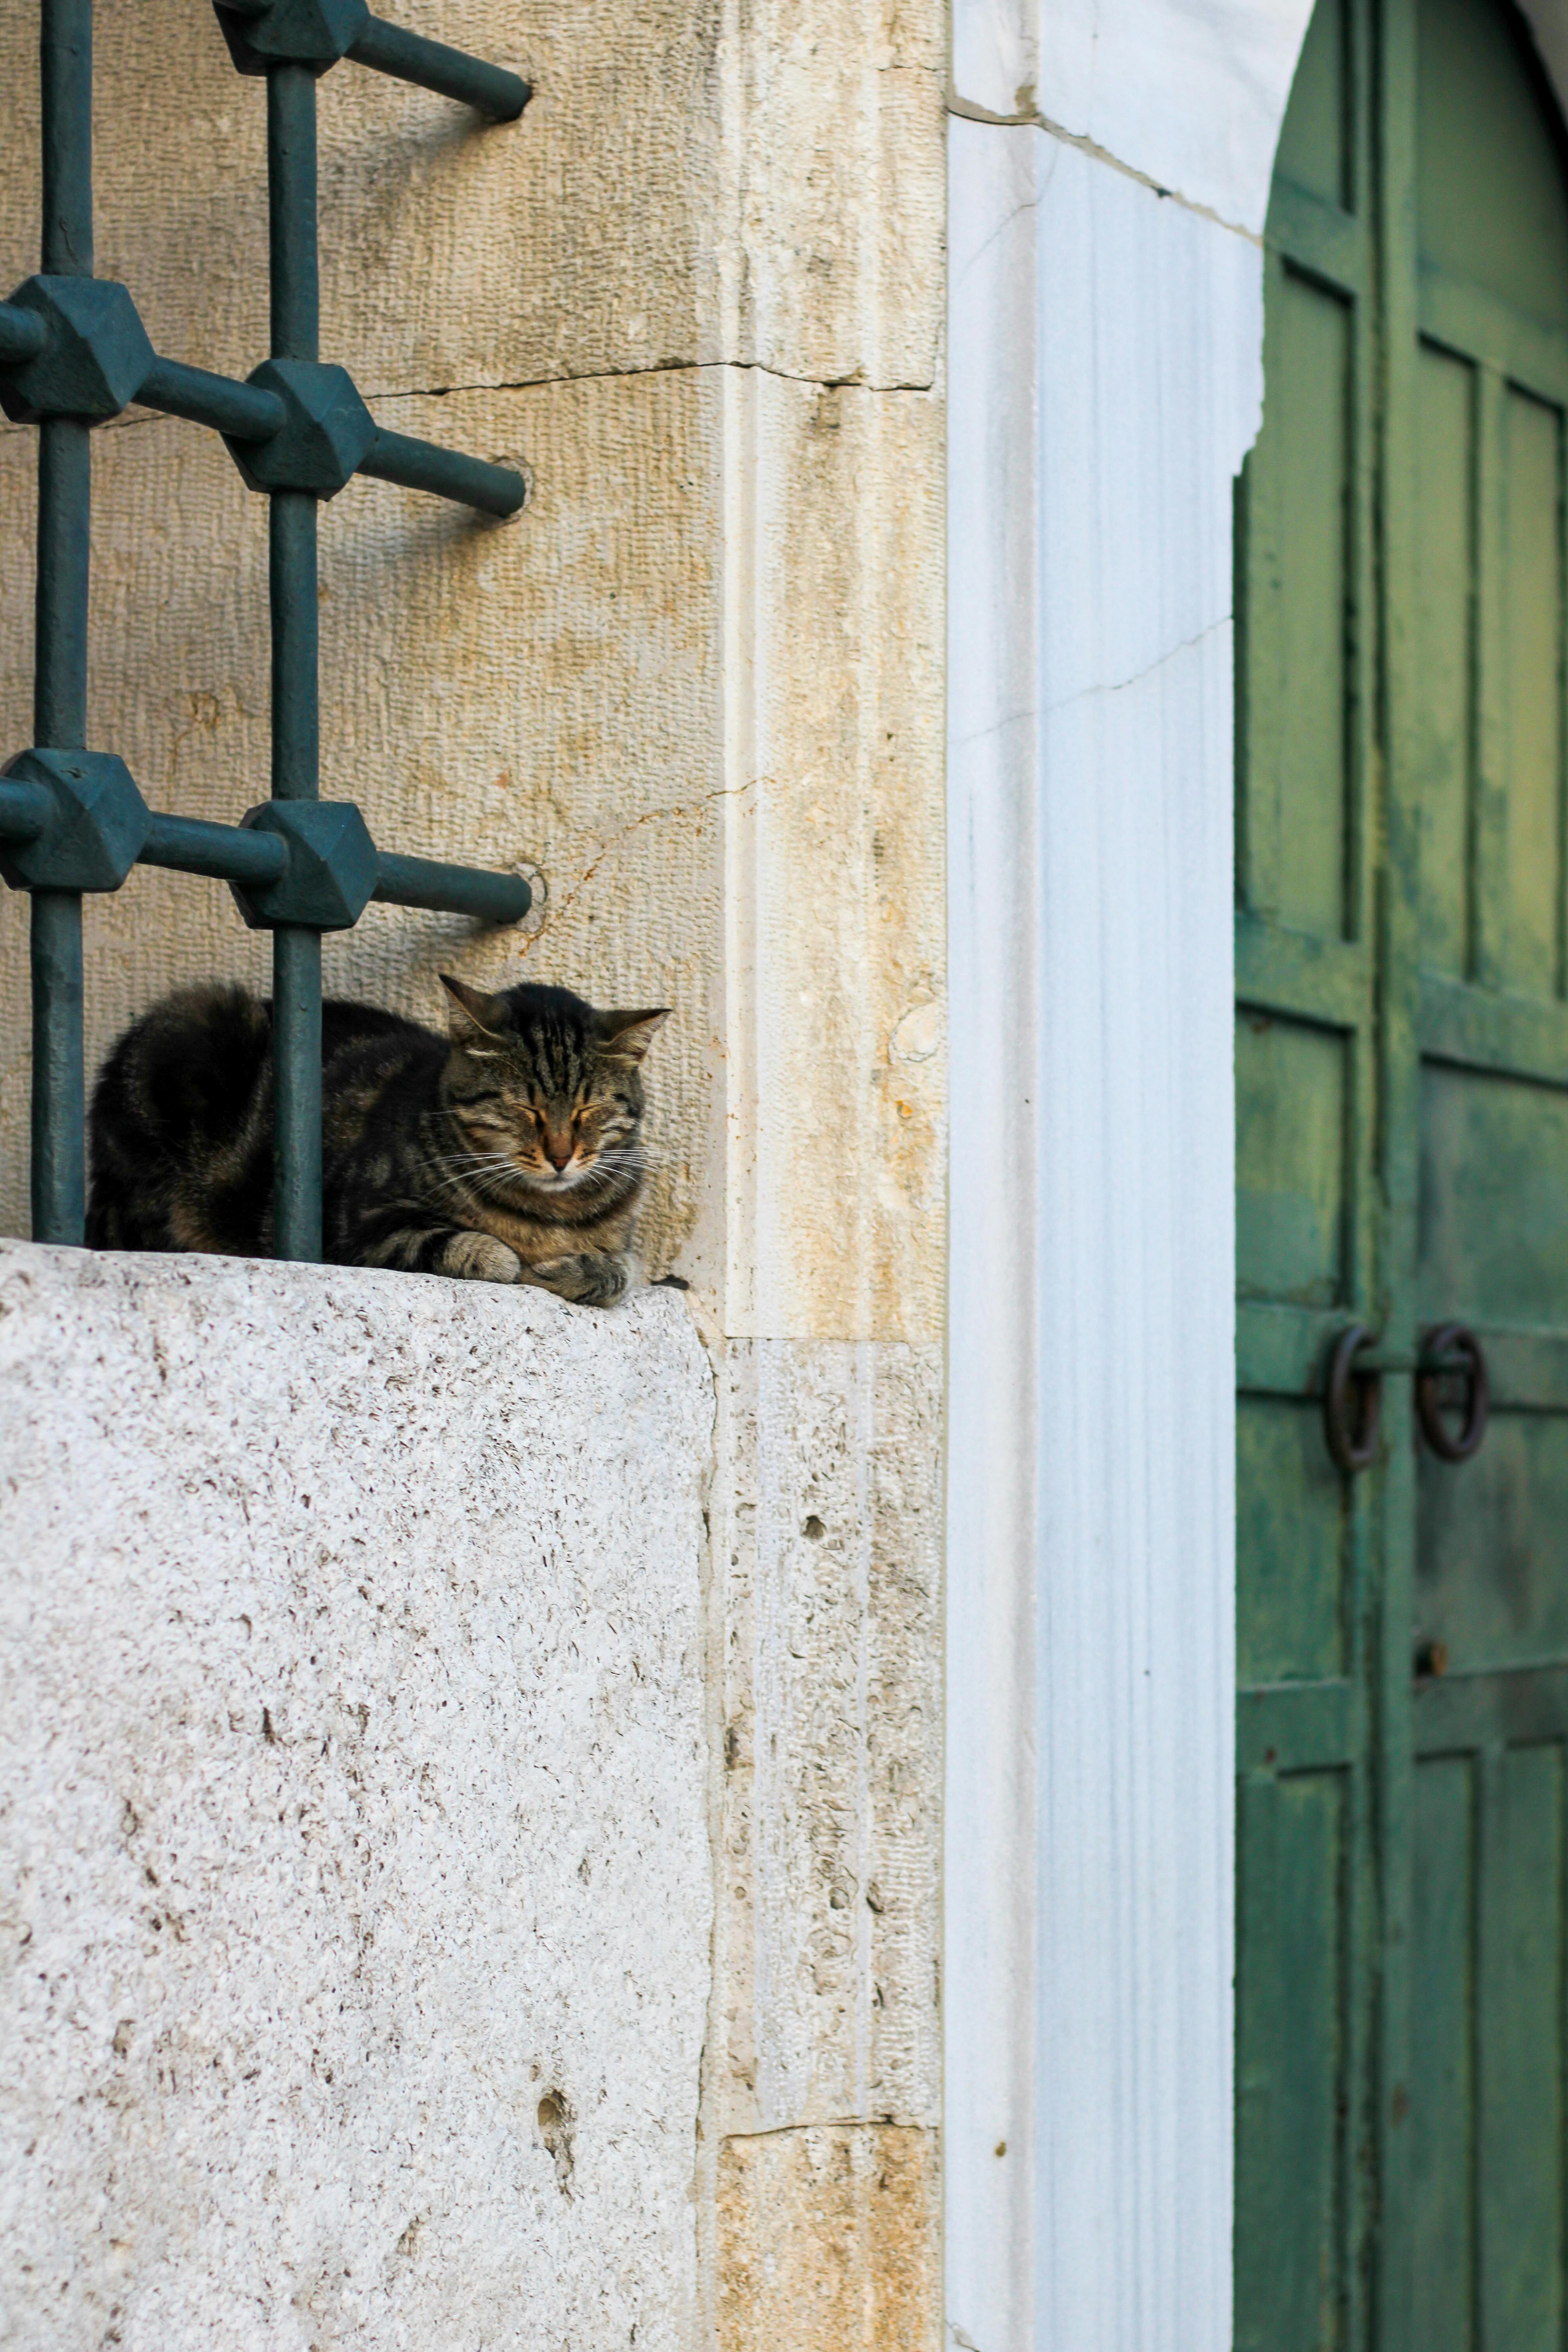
[[1105, 383], [1108, 174]]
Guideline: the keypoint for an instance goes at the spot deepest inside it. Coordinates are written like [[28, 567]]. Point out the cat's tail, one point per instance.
[[178, 1093]]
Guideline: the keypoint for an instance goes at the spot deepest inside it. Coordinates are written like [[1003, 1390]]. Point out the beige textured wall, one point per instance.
[[698, 291]]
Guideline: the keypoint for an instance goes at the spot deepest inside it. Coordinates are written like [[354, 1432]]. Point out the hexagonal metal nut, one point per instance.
[[97, 358], [307, 32], [332, 866], [328, 430], [98, 827]]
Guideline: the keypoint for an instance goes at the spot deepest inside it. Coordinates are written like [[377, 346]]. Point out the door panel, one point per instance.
[[1488, 167], [1291, 1158], [1486, 1587], [1532, 624], [1292, 2062], [1486, 2116], [1487, 2036], [1520, 1933], [1291, 1514], [1487, 1140], [1317, 138], [1442, 2117], [1312, 450], [1445, 711], [1401, 1098]]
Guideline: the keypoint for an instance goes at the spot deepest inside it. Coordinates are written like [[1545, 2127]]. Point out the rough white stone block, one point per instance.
[[353, 1857]]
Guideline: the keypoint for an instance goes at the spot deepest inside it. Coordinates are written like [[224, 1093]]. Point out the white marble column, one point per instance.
[[1108, 170]]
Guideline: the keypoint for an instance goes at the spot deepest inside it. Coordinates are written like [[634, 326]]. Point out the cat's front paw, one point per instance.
[[589, 1278], [479, 1257]]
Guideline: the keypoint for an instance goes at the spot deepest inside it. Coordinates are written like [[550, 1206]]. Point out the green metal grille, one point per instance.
[[73, 353]]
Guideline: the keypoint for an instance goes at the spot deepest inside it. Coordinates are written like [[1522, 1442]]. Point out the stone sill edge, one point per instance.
[[47, 1266]]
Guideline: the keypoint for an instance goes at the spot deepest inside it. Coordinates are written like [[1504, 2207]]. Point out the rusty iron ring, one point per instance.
[[1353, 1444], [1453, 1339]]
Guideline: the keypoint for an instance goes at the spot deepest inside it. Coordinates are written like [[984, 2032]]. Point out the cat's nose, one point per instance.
[[558, 1150]]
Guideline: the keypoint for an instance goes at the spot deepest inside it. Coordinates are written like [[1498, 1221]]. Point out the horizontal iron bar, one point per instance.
[[451, 889], [25, 809], [22, 332], [247, 411], [229, 852], [244, 854], [420, 465], [409, 57]]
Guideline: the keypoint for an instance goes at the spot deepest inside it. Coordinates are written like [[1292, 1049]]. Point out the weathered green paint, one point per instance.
[[1402, 1092], [1290, 1175], [1292, 1511]]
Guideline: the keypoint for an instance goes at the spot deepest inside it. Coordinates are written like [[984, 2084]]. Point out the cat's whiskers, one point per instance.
[[610, 1169], [475, 1172], [473, 1165], [613, 1167]]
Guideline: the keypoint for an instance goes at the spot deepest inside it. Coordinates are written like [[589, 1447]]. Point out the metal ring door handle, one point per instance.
[[1453, 1339], [1351, 1434]]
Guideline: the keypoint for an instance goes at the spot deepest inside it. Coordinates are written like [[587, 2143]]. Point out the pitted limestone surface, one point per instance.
[[830, 2240], [352, 1827]]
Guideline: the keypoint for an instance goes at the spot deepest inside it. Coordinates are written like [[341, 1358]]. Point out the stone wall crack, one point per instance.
[[828, 2124], [1029, 117], [851, 383]]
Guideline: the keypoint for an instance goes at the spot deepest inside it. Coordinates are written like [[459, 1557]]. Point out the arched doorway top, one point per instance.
[[1491, 184], [1190, 94], [1548, 22]]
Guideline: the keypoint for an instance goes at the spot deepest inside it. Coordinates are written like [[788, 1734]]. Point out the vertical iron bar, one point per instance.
[[295, 954], [296, 725], [60, 657], [65, 62], [58, 1180], [296, 1061], [291, 212], [296, 718], [59, 646]]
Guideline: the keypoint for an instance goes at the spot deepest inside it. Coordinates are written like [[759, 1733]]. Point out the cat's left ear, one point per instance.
[[471, 1013], [626, 1036]]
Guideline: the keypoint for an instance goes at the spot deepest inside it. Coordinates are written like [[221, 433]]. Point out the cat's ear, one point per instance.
[[471, 1013], [626, 1036]]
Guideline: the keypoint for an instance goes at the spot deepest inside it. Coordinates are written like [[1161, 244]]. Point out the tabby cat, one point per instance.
[[510, 1151]]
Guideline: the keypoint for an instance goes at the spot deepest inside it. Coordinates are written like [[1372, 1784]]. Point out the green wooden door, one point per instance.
[[1402, 1084]]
